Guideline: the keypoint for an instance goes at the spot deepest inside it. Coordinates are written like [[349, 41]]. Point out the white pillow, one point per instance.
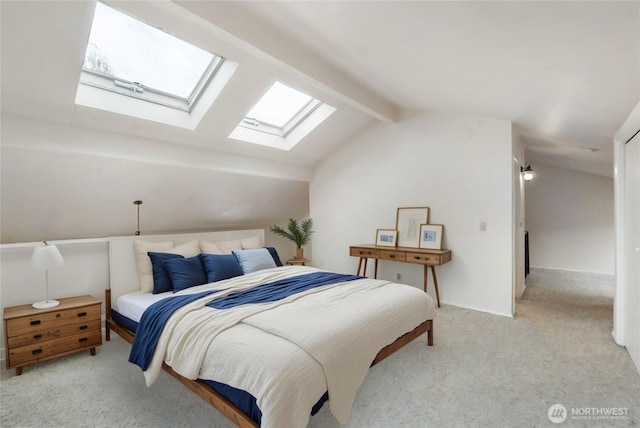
[[189, 249], [145, 270], [227, 247], [254, 259], [253, 242], [210, 248]]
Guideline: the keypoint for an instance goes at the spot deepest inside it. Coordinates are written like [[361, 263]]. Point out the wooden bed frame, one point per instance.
[[223, 405], [123, 279]]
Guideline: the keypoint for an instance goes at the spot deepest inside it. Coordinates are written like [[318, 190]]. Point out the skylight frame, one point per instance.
[[301, 124], [122, 86], [297, 117]]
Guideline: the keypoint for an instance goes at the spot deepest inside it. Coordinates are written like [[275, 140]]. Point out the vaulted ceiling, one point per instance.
[[566, 73]]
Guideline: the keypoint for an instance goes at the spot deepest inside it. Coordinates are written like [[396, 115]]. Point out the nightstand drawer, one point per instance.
[[53, 333], [38, 322], [398, 256], [52, 348], [364, 252], [425, 259]]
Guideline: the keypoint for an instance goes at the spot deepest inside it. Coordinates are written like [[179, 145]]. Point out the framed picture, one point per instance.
[[408, 221], [386, 237], [431, 236]]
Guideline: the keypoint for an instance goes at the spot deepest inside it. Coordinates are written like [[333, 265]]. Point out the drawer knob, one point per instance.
[[82, 314], [393, 256], [84, 327], [417, 257], [36, 351], [83, 339], [57, 315], [37, 336], [36, 322]]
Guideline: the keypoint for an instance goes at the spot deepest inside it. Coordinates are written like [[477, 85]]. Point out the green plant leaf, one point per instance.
[[298, 233]]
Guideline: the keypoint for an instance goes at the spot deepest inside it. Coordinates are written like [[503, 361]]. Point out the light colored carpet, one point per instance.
[[484, 371]]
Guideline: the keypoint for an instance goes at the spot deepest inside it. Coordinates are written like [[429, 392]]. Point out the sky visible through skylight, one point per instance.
[[128, 49], [279, 105]]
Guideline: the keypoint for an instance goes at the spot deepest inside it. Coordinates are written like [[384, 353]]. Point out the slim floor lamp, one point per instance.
[[45, 257]]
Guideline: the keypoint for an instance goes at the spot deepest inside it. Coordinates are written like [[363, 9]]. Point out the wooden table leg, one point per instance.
[[359, 265], [435, 283], [424, 278], [365, 266], [375, 274]]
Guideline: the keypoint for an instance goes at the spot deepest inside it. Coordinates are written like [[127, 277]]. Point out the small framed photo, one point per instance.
[[408, 221], [431, 236], [386, 237]]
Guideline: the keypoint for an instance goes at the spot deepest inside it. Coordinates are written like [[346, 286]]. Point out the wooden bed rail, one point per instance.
[[224, 406]]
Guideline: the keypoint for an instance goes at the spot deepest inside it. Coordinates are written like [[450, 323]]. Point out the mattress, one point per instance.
[[132, 305]]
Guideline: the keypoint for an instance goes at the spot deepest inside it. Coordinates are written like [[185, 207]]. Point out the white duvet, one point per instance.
[[288, 353]]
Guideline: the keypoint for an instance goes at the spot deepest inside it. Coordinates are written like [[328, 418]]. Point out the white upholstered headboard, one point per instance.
[[123, 271]]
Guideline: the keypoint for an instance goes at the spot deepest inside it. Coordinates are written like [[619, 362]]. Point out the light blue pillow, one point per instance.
[[220, 266], [255, 259], [185, 272]]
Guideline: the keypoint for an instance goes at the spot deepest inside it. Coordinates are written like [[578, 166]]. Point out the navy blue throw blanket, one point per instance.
[[280, 289], [151, 324], [155, 317]]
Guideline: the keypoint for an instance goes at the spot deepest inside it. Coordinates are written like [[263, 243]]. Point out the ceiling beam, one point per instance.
[[237, 26]]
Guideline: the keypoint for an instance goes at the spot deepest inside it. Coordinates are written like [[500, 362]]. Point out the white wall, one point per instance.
[[517, 146], [627, 212], [570, 219], [459, 166], [60, 182]]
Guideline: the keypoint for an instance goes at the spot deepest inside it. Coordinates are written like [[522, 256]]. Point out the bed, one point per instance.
[[266, 346]]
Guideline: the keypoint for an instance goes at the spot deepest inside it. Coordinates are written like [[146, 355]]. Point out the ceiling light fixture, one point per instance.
[[527, 173], [590, 149]]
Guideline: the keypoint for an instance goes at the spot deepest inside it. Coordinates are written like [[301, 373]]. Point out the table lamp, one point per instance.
[[44, 258]]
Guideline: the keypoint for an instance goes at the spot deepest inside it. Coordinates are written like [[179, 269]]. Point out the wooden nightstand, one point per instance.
[[32, 335], [297, 262]]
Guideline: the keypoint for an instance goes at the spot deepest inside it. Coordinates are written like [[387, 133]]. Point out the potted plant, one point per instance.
[[299, 233]]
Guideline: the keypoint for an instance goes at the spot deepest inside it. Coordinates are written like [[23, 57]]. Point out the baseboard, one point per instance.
[[572, 270], [473, 308]]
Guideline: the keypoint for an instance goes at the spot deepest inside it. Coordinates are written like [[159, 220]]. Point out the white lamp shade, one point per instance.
[[45, 257]]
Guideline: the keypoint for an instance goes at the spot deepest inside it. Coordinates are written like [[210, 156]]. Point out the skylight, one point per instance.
[[279, 106], [125, 56], [140, 58], [281, 118]]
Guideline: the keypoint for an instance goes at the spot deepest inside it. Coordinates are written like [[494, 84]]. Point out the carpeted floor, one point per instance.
[[484, 371]]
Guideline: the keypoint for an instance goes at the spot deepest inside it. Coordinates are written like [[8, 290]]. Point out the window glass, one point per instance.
[[129, 50], [279, 105]]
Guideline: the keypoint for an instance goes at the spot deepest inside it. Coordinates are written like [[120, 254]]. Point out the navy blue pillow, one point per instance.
[[274, 254], [185, 272], [220, 266], [161, 281]]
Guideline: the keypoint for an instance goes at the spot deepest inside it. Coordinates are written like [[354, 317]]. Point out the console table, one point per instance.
[[429, 258]]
